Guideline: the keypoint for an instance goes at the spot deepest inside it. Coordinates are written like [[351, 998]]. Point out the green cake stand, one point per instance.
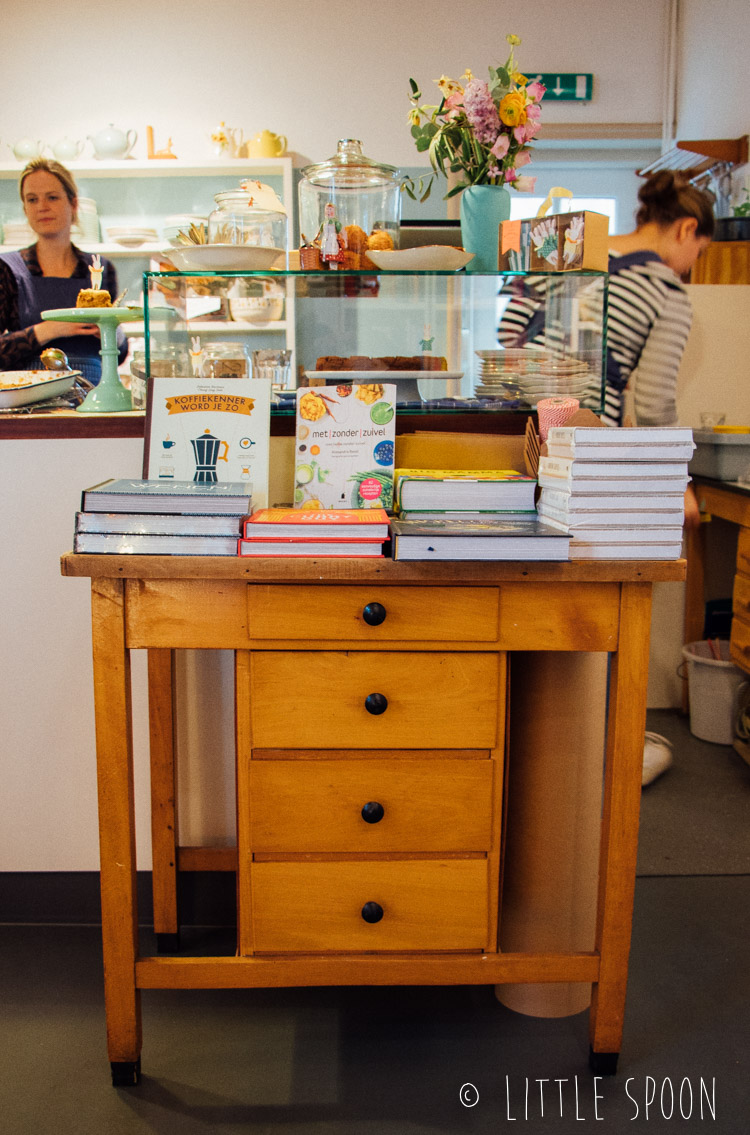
[[110, 395]]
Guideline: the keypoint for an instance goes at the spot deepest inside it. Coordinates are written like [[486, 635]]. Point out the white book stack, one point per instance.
[[619, 493]]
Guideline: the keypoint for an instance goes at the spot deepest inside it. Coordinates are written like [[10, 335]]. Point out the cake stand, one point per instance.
[[110, 395]]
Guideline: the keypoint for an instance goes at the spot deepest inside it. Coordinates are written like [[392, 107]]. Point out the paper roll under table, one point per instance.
[[110, 396], [555, 769]]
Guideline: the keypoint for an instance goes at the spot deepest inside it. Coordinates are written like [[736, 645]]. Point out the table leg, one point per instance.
[[163, 799], [114, 756], [695, 595], [619, 842]]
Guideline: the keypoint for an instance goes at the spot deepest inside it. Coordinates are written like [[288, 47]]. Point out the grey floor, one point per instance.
[[393, 1061]]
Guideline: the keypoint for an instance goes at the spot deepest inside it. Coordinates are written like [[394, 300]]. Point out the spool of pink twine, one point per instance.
[[554, 412]]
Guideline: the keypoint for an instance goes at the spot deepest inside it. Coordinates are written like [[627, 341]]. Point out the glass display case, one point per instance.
[[451, 341]]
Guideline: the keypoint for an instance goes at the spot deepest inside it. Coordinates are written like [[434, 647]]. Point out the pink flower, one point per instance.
[[481, 111], [453, 104], [510, 175], [500, 149], [524, 184], [533, 110], [522, 159], [494, 171], [535, 91]]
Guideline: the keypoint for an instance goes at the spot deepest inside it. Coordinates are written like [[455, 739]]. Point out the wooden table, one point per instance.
[[370, 799], [729, 501]]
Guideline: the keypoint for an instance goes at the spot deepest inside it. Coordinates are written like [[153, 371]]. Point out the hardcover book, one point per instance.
[[496, 538], [454, 489], [577, 470], [582, 503], [344, 446], [327, 549], [316, 524], [117, 544], [178, 497], [158, 524], [209, 430]]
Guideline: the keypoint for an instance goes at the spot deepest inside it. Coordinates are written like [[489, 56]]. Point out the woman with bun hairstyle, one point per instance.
[[649, 313], [648, 309], [49, 274]]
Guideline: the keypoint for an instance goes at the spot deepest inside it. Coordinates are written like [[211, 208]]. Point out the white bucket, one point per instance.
[[713, 686]]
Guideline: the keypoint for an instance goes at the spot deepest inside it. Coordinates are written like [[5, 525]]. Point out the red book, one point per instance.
[[354, 525], [311, 549]]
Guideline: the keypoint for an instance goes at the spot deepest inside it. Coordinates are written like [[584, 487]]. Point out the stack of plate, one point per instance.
[[131, 236], [18, 232], [531, 374]]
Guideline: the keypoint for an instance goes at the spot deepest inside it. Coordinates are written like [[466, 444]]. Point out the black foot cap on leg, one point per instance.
[[603, 1063], [125, 1073], [168, 943]]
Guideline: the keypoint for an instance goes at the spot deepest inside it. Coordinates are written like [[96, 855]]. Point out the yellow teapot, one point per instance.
[[266, 144]]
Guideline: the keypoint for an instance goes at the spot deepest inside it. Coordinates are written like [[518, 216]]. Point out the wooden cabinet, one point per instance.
[[371, 768], [371, 745]]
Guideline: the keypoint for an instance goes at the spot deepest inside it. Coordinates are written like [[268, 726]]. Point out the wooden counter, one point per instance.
[[395, 680]]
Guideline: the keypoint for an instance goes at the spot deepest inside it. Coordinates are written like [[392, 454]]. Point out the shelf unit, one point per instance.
[[146, 190]]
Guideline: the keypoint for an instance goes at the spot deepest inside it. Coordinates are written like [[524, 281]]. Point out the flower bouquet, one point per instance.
[[480, 129]]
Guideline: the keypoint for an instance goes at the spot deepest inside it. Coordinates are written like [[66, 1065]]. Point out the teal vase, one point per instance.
[[483, 207]]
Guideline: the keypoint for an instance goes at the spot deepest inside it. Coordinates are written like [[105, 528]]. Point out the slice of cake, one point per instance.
[[94, 297]]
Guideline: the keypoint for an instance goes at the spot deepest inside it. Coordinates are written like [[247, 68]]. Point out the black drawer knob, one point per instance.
[[373, 813], [374, 614], [376, 703], [372, 912]]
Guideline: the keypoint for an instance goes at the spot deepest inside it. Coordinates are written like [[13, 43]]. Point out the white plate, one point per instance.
[[380, 375], [36, 386], [224, 257], [429, 258]]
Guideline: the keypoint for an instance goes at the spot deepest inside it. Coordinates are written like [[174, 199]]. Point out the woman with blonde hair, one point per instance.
[[49, 274]]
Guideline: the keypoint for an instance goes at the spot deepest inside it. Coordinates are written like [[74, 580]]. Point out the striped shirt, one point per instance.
[[648, 322]]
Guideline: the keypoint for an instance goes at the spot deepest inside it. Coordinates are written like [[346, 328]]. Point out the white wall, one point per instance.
[[712, 95], [315, 72]]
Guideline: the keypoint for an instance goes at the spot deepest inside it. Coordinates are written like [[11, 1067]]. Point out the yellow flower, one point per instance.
[[413, 117], [513, 40], [448, 86], [467, 76], [519, 79], [512, 109]]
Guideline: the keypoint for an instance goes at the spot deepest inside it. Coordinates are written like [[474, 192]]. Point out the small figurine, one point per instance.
[[196, 355], [96, 272], [151, 152], [425, 343], [331, 244]]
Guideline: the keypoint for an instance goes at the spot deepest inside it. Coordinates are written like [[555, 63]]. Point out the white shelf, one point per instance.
[[216, 327], [163, 167]]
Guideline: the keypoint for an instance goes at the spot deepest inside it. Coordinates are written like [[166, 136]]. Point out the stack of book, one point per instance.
[[471, 515], [619, 493], [162, 518], [325, 533]]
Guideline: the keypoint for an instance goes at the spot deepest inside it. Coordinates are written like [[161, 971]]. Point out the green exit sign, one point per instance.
[[565, 88]]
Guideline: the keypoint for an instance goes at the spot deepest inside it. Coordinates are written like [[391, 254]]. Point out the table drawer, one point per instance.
[[438, 904], [373, 614], [371, 805], [362, 700]]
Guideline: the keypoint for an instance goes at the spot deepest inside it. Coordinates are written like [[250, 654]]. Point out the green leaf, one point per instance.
[[414, 89], [422, 144], [416, 131], [504, 76], [456, 189]]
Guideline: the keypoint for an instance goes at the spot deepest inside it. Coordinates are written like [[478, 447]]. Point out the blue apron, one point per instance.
[[44, 293]]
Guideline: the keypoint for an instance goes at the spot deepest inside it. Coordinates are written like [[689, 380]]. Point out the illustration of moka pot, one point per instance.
[[206, 453]]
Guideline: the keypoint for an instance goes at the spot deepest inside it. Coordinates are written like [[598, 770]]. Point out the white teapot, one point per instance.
[[26, 149], [113, 143], [66, 150]]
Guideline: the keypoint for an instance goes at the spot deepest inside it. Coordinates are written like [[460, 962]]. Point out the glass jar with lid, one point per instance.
[[347, 204], [251, 214], [224, 360]]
